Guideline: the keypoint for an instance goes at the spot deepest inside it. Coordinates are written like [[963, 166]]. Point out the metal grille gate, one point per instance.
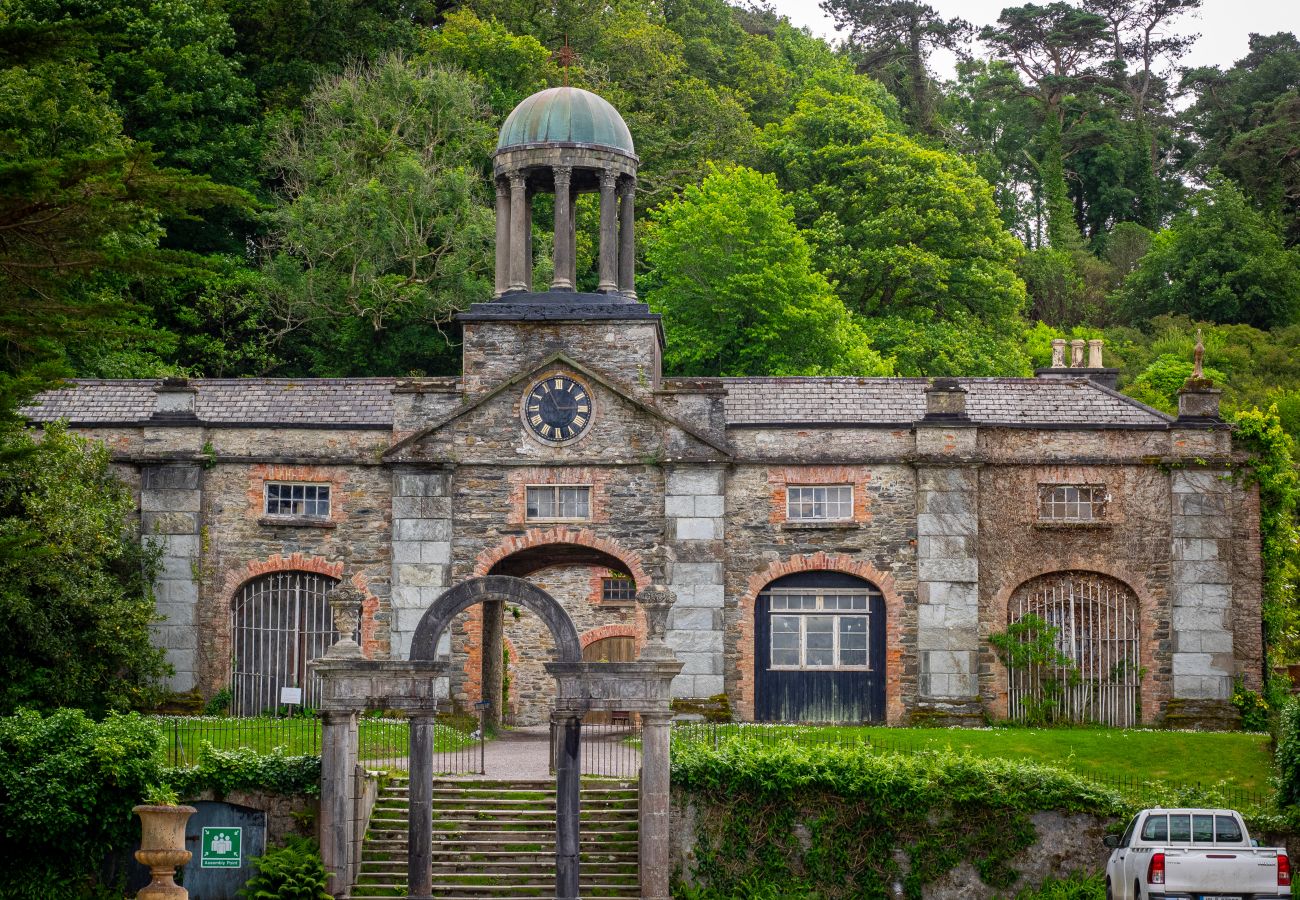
[[279, 622], [1097, 630]]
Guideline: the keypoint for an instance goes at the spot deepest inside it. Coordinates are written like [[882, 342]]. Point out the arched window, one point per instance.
[[1078, 660], [279, 622]]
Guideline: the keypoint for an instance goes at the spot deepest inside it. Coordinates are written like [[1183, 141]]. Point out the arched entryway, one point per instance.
[[278, 623], [1090, 670], [819, 652]]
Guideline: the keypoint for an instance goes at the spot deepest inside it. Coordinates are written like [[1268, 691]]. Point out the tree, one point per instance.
[[384, 229], [74, 579], [896, 226], [733, 278], [1220, 261], [1055, 49], [887, 32], [1265, 163]]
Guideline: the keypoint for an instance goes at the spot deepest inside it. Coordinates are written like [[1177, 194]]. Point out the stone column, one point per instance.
[[655, 823], [627, 237], [1201, 585], [503, 237], [519, 265], [608, 234], [170, 499], [568, 801], [528, 240], [421, 567], [419, 834], [492, 666], [694, 509], [337, 758], [564, 249], [573, 238]]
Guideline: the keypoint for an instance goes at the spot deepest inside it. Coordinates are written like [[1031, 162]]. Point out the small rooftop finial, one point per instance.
[[565, 57], [1198, 357]]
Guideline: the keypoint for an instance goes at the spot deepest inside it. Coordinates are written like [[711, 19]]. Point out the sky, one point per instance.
[[1222, 24]]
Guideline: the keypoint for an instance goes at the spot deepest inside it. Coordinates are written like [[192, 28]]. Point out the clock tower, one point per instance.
[[563, 141]]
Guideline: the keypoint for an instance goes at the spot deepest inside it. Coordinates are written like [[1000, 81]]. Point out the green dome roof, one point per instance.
[[565, 115]]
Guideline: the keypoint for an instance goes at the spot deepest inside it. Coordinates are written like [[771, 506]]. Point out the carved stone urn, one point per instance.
[[162, 849], [657, 601], [345, 603]]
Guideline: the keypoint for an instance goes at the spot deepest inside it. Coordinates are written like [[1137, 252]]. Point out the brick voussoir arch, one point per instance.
[[561, 534], [294, 562], [608, 631], [819, 562]]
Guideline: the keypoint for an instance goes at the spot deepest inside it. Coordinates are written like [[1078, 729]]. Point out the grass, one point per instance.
[[379, 739], [1242, 760]]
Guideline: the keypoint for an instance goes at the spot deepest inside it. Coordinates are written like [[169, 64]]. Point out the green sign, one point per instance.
[[220, 848]]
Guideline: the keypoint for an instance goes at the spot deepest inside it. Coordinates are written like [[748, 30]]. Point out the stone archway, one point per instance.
[[353, 684]]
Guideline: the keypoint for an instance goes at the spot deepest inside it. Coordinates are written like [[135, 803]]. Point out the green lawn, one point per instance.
[[1173, 757], [380, 739]]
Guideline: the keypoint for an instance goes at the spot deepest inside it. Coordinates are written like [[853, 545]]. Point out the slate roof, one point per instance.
[[293, 402], [889, 401], [368, 402]]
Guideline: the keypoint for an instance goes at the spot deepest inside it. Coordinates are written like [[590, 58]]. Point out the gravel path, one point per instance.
[[522, 754]]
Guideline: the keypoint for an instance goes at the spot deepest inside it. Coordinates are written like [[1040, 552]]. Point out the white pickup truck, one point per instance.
[[1193, 854]]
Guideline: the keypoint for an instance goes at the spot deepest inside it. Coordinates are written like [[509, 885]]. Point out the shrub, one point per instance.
[[1253, 708], [1288, 755], [291, 872], [223, 771], [1075, 887], [67, 785]]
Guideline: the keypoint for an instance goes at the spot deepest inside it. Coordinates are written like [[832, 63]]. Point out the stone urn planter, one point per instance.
[[162, 849]]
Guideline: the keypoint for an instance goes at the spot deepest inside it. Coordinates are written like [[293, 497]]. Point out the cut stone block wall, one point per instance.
[[421, 552], [1201, 584], [171, 498], [694, 512]]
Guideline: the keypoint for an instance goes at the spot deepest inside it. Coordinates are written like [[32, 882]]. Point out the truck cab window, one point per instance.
[[1180, 828], [1227, 830], [1156, 828], [1128, 832]]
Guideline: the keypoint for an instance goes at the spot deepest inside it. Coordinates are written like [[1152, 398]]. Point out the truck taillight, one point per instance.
[[1283, 870], [1156, 870]]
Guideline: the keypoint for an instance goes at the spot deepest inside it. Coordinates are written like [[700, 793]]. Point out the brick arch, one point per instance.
[[319, 565], [821, 562], [609, 631], [560, 534]]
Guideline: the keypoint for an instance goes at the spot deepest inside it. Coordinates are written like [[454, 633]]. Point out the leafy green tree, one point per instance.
[[886, 33], [733, 278], [1264, 162], [921, 345], [1220, 261], [385, 225], [1054, 48], [899, 227], [68, 784], [510, 67], [74, 579], [1159, 383]]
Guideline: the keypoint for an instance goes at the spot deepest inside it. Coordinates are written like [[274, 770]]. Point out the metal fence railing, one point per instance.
[[611, 750], [718, 734], [382, 743]]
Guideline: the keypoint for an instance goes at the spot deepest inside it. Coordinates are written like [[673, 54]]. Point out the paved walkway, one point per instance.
[[523, 754]]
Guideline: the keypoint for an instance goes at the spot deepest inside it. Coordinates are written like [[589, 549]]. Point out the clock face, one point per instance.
[[557, 409]]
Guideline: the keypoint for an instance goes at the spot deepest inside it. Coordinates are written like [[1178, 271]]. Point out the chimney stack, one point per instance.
[[175, 400], [1094, 371]]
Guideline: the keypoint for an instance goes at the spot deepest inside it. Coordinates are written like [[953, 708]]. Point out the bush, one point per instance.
[[1254, 710], [853, 807], [223, 771], [291, 872], [1075, 887], [1288, 755], [67, 785]]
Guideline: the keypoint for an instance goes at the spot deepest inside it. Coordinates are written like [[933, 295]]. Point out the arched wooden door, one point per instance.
[[279, 622], [610, 649], [820, 650]]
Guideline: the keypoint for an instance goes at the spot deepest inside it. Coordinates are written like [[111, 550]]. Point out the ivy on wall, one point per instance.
[[1273, 468], [826, 821]]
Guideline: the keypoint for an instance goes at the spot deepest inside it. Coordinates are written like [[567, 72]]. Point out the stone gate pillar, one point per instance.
[[338, 757], [568, 801], [656, 733], [419, 835]]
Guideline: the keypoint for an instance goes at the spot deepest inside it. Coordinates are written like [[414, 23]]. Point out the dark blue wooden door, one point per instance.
[[829, 646]]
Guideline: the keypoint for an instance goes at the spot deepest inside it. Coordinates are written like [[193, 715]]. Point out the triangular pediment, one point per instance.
[[622, 429]]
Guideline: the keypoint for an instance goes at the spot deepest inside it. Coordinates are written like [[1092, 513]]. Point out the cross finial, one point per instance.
[[565, 57]]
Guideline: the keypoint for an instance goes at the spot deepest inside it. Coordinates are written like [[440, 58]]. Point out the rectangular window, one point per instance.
[[1226, 830], [1071, 502], [559, 501], [819, 642], [304, 501], [819, 503], [617, 589]]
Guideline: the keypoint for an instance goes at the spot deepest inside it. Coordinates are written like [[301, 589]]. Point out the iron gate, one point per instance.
[[279, 622], [1097, 677]]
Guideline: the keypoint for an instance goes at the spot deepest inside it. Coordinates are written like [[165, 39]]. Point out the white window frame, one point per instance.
[[556, 488], [318, 486], [821, 609], [1054, 497], [790, 502]]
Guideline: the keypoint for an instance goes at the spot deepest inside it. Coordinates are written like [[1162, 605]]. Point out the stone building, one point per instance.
[[840, 548]]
